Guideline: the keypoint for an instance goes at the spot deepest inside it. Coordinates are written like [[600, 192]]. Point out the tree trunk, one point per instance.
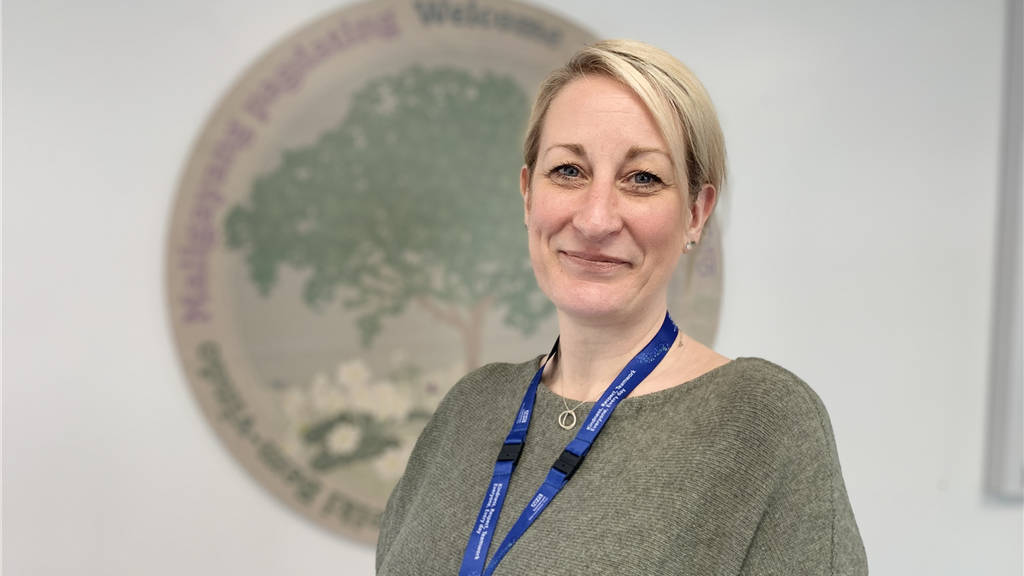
[[470, 325], [473, 333]]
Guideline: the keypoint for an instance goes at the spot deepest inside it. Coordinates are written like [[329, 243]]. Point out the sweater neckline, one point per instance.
[[651, 398]]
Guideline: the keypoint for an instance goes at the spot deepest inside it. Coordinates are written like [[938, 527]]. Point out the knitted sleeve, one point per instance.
[[807, 527]]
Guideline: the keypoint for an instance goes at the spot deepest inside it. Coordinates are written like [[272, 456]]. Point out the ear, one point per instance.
[[524, 189], [700, 211]]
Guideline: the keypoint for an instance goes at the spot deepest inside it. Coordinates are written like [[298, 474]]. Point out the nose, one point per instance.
[[597, 215]]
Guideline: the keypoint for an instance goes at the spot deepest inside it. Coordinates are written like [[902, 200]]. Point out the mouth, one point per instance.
[[594, 261]]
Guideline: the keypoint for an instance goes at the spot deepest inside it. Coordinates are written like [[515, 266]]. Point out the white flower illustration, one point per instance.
[[344, 439], [383, 400], [354, 373], [391, 464], [326, 396], [296, 407]]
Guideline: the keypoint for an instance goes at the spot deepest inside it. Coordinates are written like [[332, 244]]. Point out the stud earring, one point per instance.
[[690, 245]]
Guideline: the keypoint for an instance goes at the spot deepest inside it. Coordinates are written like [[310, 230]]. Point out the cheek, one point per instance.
[[548, 214], [539, 259], [663, 232]]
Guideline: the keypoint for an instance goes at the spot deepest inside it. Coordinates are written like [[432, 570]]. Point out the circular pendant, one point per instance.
[[567, 419]]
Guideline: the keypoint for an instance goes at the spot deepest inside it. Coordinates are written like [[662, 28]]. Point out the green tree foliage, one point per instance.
[[413, 198]]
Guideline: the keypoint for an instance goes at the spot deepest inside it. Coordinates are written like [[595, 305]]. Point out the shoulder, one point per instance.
[[491, 384], [763, 400], [491, 391], [759, 383], [493, 377], [787, 439]]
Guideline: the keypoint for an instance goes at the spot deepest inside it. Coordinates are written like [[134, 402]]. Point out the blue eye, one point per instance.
[[568, 171], [645, 178]]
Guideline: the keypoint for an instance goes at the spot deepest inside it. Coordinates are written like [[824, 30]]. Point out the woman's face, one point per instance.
[[607, 215]]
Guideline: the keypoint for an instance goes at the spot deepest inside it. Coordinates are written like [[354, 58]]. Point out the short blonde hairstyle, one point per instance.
[[672, 93]]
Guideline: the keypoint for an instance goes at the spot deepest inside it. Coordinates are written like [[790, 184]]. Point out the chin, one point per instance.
[[592, 302]]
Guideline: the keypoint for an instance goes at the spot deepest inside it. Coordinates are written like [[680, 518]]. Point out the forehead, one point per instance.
[[596, 111]]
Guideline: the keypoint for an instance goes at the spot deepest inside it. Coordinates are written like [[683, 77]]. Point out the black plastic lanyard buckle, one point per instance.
[[567, 464], [510, 452]]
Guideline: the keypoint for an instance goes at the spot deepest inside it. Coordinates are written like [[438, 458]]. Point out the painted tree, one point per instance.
[[412, 199]]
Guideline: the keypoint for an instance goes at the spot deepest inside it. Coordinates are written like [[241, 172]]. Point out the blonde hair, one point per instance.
[[672, 93]]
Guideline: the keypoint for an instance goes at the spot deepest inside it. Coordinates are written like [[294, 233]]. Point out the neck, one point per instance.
[[592, 353]]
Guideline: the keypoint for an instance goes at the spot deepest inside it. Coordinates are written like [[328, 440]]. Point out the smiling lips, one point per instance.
[[593, 261]]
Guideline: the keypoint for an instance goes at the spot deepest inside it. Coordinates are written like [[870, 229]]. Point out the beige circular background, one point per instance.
[[347, 242]]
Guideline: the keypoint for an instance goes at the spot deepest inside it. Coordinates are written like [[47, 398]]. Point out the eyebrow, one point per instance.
[[576, 149], [632, 153], [636, 151]]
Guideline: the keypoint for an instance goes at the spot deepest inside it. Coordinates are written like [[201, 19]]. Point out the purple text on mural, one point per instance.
[[201, 228], [288, 75]]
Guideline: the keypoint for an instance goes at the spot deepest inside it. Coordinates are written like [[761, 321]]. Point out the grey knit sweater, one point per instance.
[[734, 472]]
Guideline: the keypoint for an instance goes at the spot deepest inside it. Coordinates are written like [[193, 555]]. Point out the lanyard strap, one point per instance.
[[474, 559]]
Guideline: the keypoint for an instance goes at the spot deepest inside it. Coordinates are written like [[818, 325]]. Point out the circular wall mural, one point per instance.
[[347, 242]]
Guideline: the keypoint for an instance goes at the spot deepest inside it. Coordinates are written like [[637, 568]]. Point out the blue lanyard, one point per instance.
[[639, 367]]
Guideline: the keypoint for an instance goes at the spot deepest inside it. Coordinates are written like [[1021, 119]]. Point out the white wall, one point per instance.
[[863, 140]]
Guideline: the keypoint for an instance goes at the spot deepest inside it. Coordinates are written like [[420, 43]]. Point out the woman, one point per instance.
[[688, 463]]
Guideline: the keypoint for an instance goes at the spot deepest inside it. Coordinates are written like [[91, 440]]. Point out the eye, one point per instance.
[[568, 171], [567, 175], [645, 179]]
